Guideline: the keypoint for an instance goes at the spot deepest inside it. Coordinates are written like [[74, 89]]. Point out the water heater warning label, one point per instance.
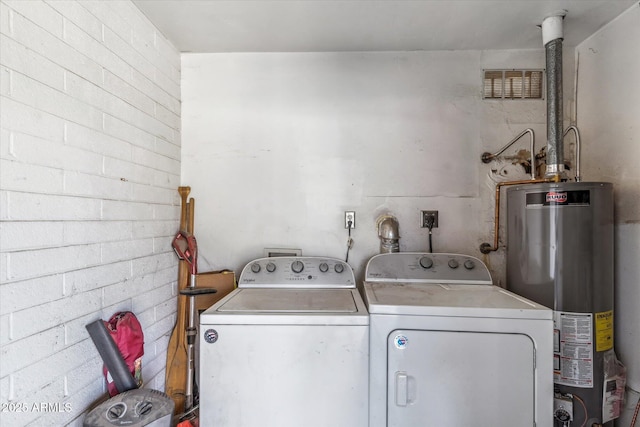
[[573, 348], [604, 330]]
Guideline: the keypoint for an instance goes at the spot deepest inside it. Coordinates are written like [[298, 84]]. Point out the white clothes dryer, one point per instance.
[[288, 348], [450, 349]]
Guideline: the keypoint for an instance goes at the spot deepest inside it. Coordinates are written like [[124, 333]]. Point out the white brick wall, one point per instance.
[[89, 167]]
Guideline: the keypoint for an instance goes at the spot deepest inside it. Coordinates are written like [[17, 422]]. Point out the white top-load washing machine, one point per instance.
[[289, 347], [449, 349]]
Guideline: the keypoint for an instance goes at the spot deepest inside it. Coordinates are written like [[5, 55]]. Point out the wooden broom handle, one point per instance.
[[184, 193]]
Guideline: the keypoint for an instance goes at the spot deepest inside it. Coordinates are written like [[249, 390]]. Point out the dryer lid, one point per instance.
[[450, 300]]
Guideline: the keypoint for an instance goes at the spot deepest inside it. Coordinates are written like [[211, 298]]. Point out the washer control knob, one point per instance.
[[271, 267], [426, 262], [469, 264], [453, 263], [324, 267], [144, 408], [255, 267], [116, 411], [339, 268], [297, 266]]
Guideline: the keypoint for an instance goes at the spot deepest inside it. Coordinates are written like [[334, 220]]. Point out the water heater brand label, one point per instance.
[[553, 197], [559, 198]]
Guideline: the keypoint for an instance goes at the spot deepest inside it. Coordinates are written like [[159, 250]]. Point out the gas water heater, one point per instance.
[[560, 254]]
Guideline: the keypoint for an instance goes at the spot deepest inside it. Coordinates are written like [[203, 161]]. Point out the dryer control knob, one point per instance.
[[271, 267], [297, 266], [339, 268], [469, 265], [426, 262], [453, 263], [255, 268], [324, 267]]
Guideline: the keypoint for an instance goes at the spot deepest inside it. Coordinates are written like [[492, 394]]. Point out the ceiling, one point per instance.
[[368, 25]]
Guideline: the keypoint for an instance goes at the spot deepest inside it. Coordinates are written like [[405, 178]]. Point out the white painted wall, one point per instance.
[[277, 146], [90, 163], [608, 118]]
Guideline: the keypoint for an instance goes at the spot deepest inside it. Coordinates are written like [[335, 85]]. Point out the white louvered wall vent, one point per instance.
[[513, 84]]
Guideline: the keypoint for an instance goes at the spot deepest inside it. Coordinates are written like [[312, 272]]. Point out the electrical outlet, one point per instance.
[[426, 217], [349, 216]]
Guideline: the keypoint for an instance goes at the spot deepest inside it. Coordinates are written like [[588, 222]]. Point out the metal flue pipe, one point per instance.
[[552, 36]]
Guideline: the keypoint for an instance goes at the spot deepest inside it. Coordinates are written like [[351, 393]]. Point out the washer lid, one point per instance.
[[291, 301], [288, 306], [450, 300]]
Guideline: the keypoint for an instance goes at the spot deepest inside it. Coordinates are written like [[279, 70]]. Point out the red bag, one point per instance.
[[126, 332]]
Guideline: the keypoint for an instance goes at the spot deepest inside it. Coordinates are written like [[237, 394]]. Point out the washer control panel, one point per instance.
[[297, 272], [427, 268], [138, 407]]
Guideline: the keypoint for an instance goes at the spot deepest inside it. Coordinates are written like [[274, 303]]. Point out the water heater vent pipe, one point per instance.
[[552, 36]]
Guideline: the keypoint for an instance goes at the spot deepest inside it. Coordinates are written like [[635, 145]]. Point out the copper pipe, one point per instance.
[[485, 248]]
